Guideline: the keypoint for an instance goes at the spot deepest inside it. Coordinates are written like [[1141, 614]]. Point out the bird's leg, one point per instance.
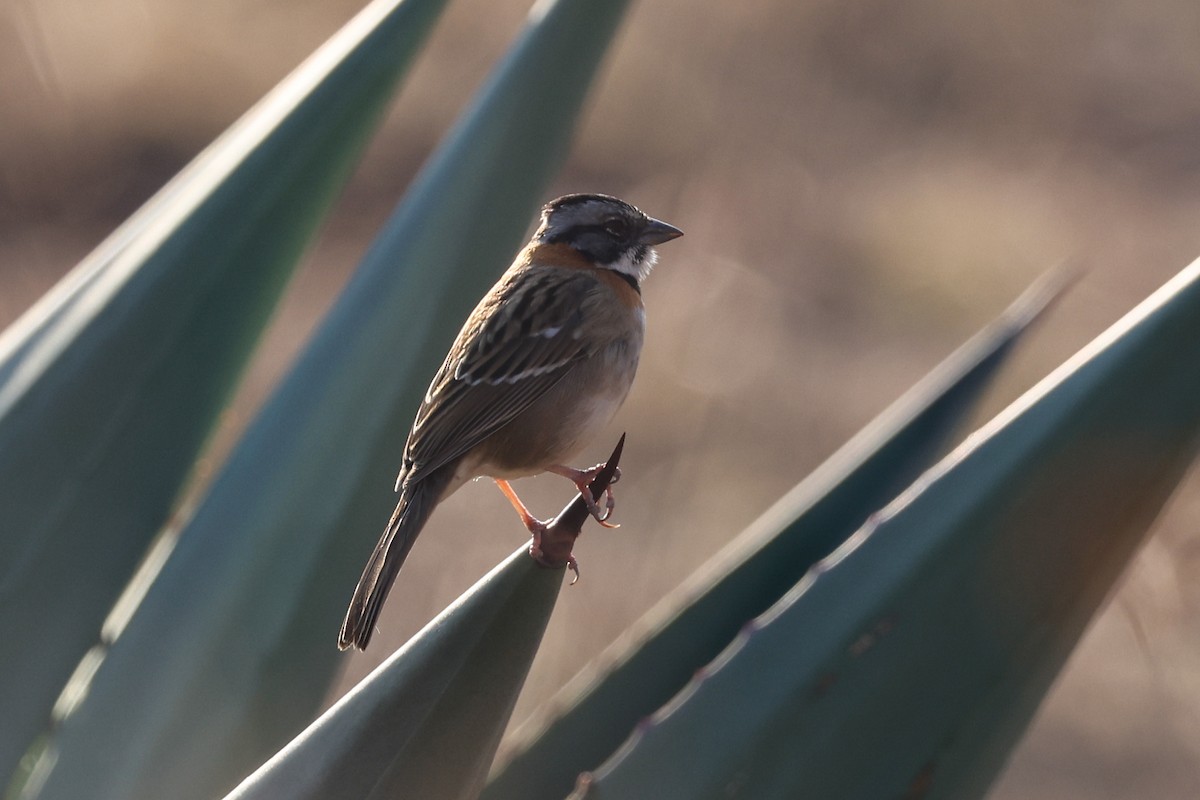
[[535, 527], [532, 523], [581, 478]]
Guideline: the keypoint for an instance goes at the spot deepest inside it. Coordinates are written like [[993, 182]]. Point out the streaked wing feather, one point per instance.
[[476, 416], [497, 370]]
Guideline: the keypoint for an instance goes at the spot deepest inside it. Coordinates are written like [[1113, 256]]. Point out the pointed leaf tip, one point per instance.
[[572, 517], [1046, 291]]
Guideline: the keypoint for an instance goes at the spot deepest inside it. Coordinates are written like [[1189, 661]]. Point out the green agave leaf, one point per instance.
[[111, 383], [427, 722], [233, 647], [909, 662], [599, 709]]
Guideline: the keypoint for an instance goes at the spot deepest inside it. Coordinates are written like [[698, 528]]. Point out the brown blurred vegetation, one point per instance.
[[863, 184]]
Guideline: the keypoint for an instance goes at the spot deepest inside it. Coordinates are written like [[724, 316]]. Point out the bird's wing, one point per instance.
[[521, 340]]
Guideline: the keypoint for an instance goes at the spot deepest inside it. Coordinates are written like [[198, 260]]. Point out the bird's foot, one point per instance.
[[539, 555], [582, 478]]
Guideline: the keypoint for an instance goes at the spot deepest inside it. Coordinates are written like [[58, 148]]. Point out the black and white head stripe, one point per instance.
[[603, 228], [585, 207]]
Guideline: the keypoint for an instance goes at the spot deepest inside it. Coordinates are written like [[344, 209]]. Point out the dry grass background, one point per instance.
[[863, 185]]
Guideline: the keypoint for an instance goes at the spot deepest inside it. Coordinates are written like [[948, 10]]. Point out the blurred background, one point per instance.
[[863, 184]]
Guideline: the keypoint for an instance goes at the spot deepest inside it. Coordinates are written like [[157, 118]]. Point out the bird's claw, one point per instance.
[[583, 478], [600, 515], [535, 544], [538, 555], [583, 481]]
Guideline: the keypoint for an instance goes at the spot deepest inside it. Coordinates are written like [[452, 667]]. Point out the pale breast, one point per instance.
[[568, 417]]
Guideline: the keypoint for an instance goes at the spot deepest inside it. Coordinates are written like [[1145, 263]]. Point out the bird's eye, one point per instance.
[[616, 228]]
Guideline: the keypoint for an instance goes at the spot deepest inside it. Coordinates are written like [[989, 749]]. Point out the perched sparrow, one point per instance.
[[540, 366]]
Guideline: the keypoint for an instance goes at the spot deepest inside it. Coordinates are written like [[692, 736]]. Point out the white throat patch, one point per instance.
[[628, 264]]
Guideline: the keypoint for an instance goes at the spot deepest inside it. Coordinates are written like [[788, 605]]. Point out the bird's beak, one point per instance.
[[656, 232]]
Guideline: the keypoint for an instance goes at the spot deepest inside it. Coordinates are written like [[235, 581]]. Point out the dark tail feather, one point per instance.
[[417, 501]]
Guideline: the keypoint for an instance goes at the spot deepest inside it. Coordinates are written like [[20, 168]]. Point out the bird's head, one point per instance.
[[609, 232]]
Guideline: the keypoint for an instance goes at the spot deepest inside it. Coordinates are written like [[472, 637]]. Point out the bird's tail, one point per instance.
[[417, 501]]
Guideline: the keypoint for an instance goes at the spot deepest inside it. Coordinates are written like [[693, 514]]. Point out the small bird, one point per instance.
[[540, 366]]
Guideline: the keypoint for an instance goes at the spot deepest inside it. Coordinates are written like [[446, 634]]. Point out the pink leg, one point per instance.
[[581, 478], [535, 527]]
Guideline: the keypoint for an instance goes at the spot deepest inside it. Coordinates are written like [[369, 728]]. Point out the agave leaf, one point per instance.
[[110, 385], [232, 649], [908, 663], [599, 709], [427, 722]]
